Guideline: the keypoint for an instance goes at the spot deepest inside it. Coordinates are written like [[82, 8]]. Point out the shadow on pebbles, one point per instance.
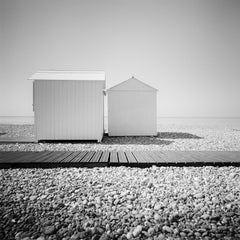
[[120, 203]]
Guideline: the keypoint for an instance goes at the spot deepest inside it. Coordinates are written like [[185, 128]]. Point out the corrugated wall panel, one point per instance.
[[69, 109]]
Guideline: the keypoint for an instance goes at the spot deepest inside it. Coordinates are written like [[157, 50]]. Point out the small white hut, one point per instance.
[[68, 105], [132, 109]]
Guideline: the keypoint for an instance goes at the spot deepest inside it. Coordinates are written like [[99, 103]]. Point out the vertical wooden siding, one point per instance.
[[132, 113], [68, 110]]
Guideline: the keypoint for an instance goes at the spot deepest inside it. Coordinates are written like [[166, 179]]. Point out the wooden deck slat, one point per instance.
[[52, 157], [33, 157], [79, 157], [88, 156], [44, 157], [153, 156], [61, 157], [170, 156], [230, 156], [70, 157], [159, 156], [8, 156], [130, 157], [17, 157], [148, 157], [113, 157], [122, 157], [96, 157], [104, 157], [138, 156], [118, 158]]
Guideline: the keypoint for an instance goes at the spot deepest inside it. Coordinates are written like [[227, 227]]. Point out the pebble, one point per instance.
[[90, 213], [157, 217], [167, 229], [137, 231], [41, 238], [157, 206], [129, 235], [49, 230], [161, 236], [33, 198], [104, 237]]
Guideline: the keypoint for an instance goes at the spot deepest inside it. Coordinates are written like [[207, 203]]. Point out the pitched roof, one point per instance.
[[132, 84], [68, 75]]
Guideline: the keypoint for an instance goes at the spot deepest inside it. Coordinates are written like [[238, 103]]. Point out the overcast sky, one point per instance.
[[188, 49]]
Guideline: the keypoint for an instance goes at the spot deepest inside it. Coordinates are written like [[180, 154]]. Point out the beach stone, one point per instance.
[[151, 231], [82, 234], [137, 231], [129, 235], [205, 216], [230, 197], [41, 238], [198, 195], [49, 230], [167, 228], [157, 217], [161, 236], [33, 198], [157, 206], [104, 237]]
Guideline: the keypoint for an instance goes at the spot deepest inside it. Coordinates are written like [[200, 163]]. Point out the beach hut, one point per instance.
[[68, 105], [132, 109]]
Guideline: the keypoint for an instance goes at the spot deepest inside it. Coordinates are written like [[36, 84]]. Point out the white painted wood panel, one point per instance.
[[132, 109], [68, 110]]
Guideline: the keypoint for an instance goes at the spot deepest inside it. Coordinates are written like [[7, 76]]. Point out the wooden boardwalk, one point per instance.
[[120, 158]]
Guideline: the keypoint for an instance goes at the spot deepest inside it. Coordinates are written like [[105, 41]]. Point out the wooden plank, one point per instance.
[[152, 156], [147, 156], [205, 156], [33, 157], [79, 157], [159, 156], [122, 157], [230, 156], [96, 157], [13, 157], [170, 156], [130, 157], [70, 157], [138, 156], [60, 157], [88, 156], [52, 157], [113, 157], [9, 156], [184, 157], [104, 157]]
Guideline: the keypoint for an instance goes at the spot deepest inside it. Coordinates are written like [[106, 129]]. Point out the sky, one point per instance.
[[188, 49]]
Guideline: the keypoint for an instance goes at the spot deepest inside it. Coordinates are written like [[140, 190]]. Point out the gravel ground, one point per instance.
[[120, 203], [171, 136]]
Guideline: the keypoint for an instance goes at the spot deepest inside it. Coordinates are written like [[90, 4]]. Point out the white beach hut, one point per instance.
[[132, 109], [68, 105]]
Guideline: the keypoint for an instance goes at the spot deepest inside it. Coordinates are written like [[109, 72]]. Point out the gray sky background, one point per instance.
[[188, 49]]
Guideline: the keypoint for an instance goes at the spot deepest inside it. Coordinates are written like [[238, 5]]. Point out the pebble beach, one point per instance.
[[153, 203], [173, 134], [120, 203]]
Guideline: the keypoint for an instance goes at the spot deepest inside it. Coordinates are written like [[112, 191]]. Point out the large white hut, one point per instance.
[[132, 109], [68, 105]]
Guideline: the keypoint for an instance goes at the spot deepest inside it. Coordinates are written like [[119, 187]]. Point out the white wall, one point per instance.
[[132, 113], [71, 110]]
